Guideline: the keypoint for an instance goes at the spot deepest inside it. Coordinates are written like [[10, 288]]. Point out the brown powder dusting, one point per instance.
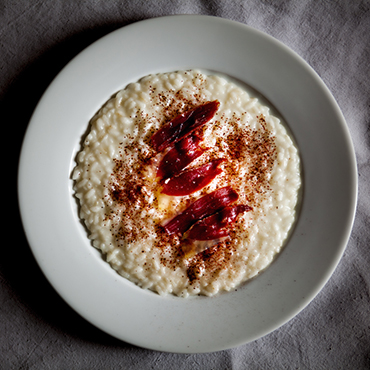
[[254, 151], [133, 189]]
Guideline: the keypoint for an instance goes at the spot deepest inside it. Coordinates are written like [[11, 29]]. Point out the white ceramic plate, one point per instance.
[[77, 271]]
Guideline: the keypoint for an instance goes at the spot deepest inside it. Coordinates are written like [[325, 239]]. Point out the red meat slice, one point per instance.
[[217, 225], [201, 208], [192, 180], [182, 125], [180, 156]]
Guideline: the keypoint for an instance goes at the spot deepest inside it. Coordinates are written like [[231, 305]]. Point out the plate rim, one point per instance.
[[24, 158]]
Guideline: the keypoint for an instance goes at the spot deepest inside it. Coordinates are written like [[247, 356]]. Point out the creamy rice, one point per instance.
[[124, 210]]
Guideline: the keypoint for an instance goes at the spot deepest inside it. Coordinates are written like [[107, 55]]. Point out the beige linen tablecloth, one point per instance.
[[38, 330]]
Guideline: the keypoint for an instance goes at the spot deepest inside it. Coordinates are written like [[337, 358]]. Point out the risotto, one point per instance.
[[187, 184]]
